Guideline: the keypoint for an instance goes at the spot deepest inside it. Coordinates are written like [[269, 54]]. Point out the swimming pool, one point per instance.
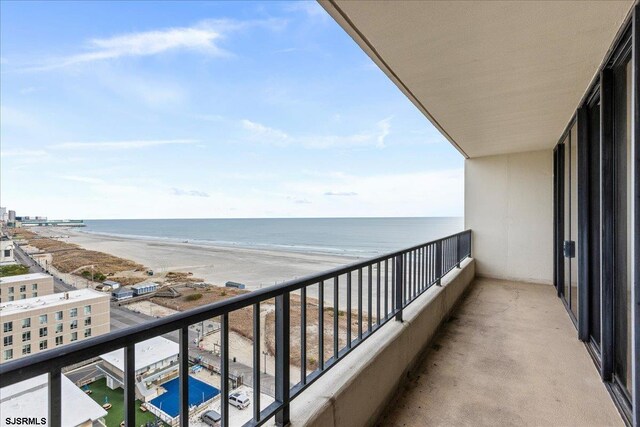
[[169, 401]]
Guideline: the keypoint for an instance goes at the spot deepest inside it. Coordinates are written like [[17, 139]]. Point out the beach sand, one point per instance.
[[255, 268]]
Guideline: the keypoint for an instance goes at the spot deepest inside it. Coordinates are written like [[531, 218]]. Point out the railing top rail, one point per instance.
[[57, 358]]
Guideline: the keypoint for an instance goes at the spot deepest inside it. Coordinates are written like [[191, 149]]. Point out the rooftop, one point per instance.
[[50, 300], [144, 285], [24, 277], [28, 398], [148, 352]]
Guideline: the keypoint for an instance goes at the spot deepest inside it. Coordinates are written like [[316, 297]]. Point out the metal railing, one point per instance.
[[392, 282]]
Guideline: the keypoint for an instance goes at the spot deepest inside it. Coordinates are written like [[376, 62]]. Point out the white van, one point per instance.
[[239, 400]]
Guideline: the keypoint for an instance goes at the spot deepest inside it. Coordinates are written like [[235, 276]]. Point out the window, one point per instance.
[[87, 333], [43, 319], [74, 324], [34, 294], [73, 312], [58, 315], [43, 345], [7, 253], [8, 340], [58, 328], [8, 354], [23, 288], [7, 327], [11, 298], [11, 289], [34, 287], [87, 321], [87, 310], [44, 332], [59, 340], [23, 296], [74, 336], [26, 336], [26, 323], [26, 349]]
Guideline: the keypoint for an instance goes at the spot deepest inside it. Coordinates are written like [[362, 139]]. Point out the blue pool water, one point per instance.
[[169, 402]]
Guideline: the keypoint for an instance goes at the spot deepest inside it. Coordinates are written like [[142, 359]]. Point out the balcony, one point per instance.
[[530, 320]]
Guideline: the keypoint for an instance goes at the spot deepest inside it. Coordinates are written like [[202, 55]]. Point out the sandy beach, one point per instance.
[[213, 264]]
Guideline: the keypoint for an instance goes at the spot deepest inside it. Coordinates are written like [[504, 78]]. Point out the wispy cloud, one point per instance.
[[309, 7], [261, 133], [84, 179], [341, 193], [23, 153], [194, 193], [265, 133], [121, 145], [203, 37]]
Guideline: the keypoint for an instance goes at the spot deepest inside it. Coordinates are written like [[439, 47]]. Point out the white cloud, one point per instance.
[[310, 7], [23, 153], [268, 135], [265, 133], [341, 193], [84, 179], [195, 193], [203, 37], [121, 145]]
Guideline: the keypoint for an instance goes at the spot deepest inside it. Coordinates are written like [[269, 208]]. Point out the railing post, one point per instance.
[[55, 398], [438, 265], [183, 375], [398, 271], [130, 385], [457, 250], [282, 358]]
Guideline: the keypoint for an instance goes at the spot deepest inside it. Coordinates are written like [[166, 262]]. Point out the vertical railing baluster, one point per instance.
[[55, 398], [386, 288], [183, 356], [438, 265], [399, 285], [415, 273], [303, 335], [282, 358], [321, 324], [256, 362], [393, 285], [359, 304], [458, 251], [336, 315], [378, 294], [370, 300], [224, 370], [349, 310]]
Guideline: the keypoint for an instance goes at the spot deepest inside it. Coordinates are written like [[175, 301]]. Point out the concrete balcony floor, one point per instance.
[[507, 356]]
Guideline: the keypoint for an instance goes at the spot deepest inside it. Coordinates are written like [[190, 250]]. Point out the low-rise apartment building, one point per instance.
[[23, 286], [36, 324], [6, 251]]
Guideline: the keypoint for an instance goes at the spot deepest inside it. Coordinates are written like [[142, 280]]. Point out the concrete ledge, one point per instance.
[[357, 390]]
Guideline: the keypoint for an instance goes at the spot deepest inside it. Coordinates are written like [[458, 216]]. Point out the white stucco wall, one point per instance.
[[509, 207]]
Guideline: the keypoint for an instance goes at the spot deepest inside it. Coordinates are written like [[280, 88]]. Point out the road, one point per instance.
[[122, 317]]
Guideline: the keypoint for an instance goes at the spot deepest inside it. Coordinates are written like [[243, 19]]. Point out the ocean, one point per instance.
[[362, 237]]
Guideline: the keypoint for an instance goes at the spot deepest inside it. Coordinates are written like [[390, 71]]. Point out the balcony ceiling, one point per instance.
[[495, 77]]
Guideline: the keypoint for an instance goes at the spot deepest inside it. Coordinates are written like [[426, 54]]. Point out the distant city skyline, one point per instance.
[[208, 110]]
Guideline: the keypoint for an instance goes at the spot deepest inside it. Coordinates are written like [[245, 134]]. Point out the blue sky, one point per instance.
[[207, 109]]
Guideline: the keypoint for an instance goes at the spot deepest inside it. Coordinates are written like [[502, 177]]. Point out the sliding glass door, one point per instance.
[[622, 219]]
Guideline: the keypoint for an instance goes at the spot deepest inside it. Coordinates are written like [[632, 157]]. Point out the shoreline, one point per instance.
[[215, 264]]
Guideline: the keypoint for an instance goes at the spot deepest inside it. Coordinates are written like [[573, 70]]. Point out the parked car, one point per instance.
[[239, 400], [211, 418]]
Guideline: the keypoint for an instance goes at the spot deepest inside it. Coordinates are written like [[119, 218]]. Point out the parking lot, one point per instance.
[[237, 417]]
